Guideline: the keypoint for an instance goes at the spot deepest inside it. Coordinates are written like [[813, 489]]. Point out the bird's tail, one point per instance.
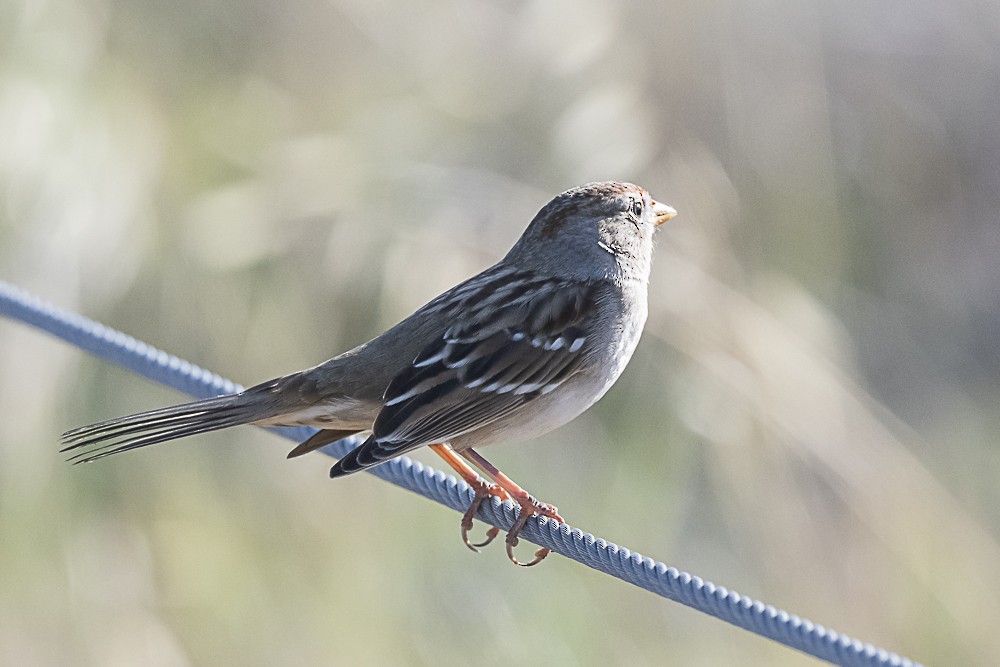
[[149, 428]]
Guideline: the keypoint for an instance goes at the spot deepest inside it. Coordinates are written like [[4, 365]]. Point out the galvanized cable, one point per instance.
[[718, 601]]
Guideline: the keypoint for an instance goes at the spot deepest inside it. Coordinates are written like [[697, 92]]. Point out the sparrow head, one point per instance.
[[598, 230]]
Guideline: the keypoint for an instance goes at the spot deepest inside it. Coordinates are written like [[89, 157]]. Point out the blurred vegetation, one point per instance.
[[811, 418]]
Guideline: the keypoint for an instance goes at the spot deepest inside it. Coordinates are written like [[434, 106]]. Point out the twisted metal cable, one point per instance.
[[718, 601]]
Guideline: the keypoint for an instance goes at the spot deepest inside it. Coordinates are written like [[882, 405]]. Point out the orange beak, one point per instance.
[[662, 212]]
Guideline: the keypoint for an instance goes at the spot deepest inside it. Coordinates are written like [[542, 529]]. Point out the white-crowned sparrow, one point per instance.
[[516, 351]]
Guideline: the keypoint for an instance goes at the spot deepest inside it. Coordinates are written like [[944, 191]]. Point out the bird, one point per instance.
[[510, 354]]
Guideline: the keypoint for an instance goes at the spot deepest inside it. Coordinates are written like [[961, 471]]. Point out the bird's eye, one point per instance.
[[637, 208]]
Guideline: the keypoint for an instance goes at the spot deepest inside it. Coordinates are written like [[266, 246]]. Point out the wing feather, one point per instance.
[[507, 351]]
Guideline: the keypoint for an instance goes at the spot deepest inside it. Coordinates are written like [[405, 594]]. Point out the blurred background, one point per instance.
[[811, 418]]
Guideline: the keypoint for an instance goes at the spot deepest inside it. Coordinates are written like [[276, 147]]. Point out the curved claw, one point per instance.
[[467, 523], [529, 509], [482, 493], [491, 535], [539, 555]]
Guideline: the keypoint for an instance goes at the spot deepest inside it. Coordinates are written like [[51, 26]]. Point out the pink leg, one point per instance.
[[483, 491], [529, 506]]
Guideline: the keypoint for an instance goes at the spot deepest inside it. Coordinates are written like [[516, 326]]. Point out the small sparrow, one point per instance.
[[510, 354]]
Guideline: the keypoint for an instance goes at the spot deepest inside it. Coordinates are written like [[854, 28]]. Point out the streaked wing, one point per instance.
[[510, 351]]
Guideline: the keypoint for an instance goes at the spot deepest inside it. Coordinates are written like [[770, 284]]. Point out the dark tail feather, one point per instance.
[[149, 428], [319, 439], [370, 453], [354, 461]]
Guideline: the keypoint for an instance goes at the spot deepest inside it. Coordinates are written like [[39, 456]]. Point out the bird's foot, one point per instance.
[[483, 491], [529, 508]]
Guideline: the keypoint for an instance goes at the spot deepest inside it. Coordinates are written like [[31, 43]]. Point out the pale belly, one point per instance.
[[566, 403]]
